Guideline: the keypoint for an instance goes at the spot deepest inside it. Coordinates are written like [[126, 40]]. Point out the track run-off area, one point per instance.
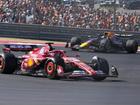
[[124, 90]]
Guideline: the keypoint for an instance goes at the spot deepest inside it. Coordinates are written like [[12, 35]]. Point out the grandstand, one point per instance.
[[52, 13]]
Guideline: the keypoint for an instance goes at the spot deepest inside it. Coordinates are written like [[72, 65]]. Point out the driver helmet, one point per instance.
[[109, 34], [94, 59]]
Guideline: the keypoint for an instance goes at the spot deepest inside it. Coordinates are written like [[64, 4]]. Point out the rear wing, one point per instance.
[[20, 47], [25, 47]]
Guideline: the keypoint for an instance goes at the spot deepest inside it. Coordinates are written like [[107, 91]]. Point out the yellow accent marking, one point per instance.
[[85, 44], [30, 62]]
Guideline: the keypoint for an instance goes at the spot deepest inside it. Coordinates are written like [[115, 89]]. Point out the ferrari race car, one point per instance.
[[109, 42], [51, 63]]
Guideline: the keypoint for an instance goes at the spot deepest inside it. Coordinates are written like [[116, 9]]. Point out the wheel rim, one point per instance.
[[50, 68], [2, 64]]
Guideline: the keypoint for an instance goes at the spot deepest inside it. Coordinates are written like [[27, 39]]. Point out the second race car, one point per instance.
[[109, 42], [54, 64]]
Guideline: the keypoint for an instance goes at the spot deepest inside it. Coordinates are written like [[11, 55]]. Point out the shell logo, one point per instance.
[[30, 62]]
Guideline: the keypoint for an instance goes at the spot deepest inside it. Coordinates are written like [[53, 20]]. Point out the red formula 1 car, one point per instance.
[[51, 63]]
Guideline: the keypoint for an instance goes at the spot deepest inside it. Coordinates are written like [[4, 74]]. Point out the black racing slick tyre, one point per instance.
[[75, 41], [50, 69], [105, 45], [131, 46], [101, 64], [8, 63]]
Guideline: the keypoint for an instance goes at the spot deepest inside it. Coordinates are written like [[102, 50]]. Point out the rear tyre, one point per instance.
[[101, 64], [75, 41], [131, 46], [8, 63]]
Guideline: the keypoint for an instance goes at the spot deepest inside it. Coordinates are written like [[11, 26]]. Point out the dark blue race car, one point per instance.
[[109, 42]]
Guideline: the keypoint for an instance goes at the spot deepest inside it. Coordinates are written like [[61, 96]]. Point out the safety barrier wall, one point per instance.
[[49, 32]]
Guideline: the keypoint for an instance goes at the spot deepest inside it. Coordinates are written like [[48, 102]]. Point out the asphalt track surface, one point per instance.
[[125, 90]]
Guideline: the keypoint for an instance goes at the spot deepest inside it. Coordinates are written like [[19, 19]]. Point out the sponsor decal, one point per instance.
[[20, 46], [78, 72]]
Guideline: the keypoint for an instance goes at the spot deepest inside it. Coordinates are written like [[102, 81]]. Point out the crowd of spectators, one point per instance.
[[73, 15]]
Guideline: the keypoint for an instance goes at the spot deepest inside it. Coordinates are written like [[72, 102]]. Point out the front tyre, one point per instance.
[[100, 64], [105, 45], [8, 63], [74, 43], [50, 69]]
